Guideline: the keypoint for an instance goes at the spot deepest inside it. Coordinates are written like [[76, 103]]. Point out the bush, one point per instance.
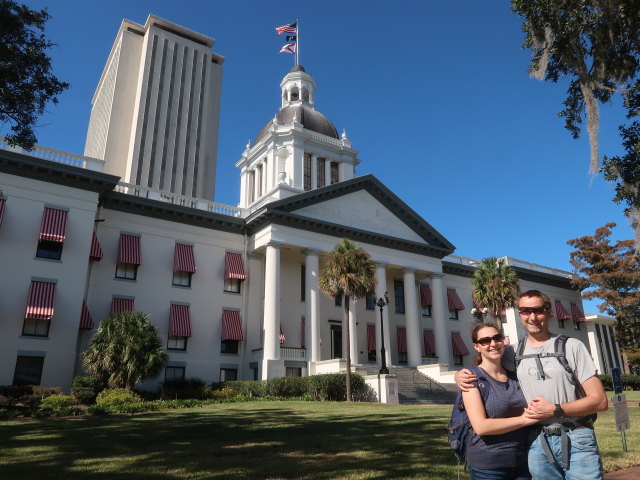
[[182, 389], [224, 394], [287, 387], [55, 401], [86, 388], [8, 414], [112, 399], [26, 396], [629, 382], [250, 388]]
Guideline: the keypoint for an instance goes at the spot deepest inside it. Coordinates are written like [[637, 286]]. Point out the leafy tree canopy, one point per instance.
[[495, 285], [26, 81], [125, 350], [611, 272]]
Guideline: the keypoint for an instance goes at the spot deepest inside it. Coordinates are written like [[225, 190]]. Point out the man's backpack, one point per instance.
[[459, 426]]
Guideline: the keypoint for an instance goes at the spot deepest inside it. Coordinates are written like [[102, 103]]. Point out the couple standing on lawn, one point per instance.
[[539, 424]]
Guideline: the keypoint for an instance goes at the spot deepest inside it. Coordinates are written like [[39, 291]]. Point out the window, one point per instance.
[[337, 300], [398, 290], [232, 285], [307, 172], [320, 166], [453, 315], [259, 180], [28, 370], [171, 374], [560, 323], [36, 327], [457, 359], [293, 372], [128, 271], [371, 301], [229, 346], [181, 279], [426, 311], [303, 281], [335, 177], [252, 186], [228, 374], [50, 250], [576, 325], [177, 343]]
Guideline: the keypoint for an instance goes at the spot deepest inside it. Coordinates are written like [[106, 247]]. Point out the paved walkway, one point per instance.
[[626, 474]]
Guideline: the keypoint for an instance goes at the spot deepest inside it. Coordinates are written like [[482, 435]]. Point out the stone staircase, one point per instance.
[[417, 388]]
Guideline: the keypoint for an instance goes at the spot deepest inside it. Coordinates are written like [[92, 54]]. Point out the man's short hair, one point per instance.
[[537, 294]]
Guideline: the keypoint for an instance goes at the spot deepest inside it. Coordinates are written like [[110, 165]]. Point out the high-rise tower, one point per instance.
[[155, 113], [297, 151]]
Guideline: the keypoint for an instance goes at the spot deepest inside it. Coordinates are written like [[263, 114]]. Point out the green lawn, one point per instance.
[[255, 440]]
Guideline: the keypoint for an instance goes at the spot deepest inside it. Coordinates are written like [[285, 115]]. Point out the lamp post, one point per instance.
[[381, 303]]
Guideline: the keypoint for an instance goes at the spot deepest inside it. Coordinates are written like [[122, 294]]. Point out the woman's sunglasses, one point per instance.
[[484, 341]]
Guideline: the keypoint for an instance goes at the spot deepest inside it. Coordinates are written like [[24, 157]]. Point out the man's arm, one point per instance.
[[594, 401]]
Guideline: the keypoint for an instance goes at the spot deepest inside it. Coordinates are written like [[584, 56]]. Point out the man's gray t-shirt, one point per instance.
[[558, 385]]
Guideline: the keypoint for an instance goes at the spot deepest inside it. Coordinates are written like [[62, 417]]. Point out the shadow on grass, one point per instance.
[[241, 441]]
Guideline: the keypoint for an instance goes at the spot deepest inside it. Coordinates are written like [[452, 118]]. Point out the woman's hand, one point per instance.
[[464, 379]]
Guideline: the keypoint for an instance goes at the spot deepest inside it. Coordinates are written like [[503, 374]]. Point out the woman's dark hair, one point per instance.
[[475, 328]]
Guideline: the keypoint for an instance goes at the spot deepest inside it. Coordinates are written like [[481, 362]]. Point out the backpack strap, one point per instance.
[[519, 357], [484, 389]]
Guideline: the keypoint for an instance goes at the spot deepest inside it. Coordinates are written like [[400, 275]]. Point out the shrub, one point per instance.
[[187, 388], [629, 382], [112, 399], [26, 396], [250, 388], [86, 388], [287, 387], [223, 394], [7, 413], [57, 400]]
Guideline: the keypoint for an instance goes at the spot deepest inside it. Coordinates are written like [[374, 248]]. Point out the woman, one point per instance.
[[498, 447]]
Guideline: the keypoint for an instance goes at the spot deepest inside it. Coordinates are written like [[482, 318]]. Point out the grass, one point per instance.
[[632, 396], [261, 440]]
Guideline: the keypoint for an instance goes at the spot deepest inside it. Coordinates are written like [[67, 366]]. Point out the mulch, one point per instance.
[[625, 474]]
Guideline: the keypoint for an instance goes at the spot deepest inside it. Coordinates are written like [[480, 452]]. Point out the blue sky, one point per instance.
[[434, 95]]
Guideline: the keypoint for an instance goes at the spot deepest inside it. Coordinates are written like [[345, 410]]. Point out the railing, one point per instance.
[[424, 379], [56, 156], [291, 353], [472, 262], [176, 199]]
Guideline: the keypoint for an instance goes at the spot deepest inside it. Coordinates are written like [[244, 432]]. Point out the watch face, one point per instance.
[[558, 412]]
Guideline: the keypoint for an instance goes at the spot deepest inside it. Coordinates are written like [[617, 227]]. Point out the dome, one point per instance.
[[310, 119]]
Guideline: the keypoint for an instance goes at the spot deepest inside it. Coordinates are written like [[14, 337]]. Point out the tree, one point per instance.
[[350, 273], [26, 81], [495, 285], [595, 44], [125, 350], [611, 272]]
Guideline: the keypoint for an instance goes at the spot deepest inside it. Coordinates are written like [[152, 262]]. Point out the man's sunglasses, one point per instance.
[[484, 341], [525, 312]]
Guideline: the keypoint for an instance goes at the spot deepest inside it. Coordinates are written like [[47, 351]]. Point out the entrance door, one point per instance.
[[336, 341]]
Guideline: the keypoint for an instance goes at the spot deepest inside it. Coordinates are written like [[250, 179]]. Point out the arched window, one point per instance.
[[294, 94]]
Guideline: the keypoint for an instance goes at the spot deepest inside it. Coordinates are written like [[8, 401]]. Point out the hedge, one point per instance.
[[85, 389], [629, 382]]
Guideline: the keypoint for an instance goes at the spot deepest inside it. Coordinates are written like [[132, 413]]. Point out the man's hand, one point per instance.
[[464, 379], [539, 409]]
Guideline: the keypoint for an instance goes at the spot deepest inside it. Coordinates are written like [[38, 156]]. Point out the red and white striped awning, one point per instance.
[[183, 259], [371, 337], [283, 338], [402, 339], [425, 296], [129, 249], [231, 326], [429, 342], [119, 305], [302, 332], [86, 322], [233, 266], [2, 202], [179, 321], [54, 225], [454, 300], [95, 254], [459, 348], [40, 300], [576, 314], [561, 313]]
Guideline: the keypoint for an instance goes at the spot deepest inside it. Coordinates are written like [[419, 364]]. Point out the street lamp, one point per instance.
[[381, 303]]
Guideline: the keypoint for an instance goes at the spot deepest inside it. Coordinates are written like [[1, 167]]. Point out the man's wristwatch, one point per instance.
[[558, 412]]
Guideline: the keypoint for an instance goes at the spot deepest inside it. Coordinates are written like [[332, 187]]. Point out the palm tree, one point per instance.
[[125, 350], [350, 273], [495, 286]]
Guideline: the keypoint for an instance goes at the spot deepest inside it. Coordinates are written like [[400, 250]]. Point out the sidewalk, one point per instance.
[[626, 474]]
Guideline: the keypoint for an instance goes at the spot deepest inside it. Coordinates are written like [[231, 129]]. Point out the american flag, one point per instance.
[[289, 47], [292, 28], [282, 337]]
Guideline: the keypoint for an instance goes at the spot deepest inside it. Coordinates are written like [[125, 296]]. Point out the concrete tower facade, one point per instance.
[[155, 114]]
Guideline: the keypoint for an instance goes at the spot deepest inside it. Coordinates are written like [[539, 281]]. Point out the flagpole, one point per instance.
[[298, 41]]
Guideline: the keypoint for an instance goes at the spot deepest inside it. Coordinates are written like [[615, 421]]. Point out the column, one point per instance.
[[439, 312], [412, 315], [353, 335], [381, 289], [314, 171], [271, 349], [327, 171], [312, 305]]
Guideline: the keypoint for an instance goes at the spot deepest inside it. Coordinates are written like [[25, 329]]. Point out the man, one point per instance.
[[566, 446]]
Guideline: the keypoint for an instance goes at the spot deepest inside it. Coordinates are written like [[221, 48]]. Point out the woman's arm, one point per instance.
[[483, 425]]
